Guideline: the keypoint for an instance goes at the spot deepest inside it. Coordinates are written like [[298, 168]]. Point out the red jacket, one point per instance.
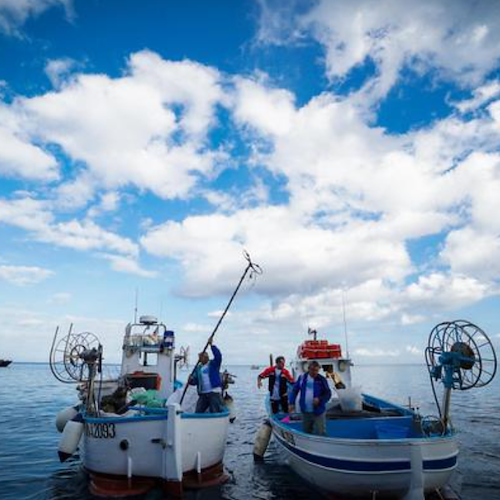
[[270, 373]]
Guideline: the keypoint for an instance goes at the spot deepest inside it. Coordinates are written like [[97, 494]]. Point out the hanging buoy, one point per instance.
[[64, 416], [262, 441], [70, 438], [231, 407]]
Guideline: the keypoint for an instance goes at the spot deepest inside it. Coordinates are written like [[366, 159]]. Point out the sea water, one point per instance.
[[30, 470]]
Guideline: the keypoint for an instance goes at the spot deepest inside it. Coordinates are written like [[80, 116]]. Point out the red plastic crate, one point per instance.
[[322, 353], [334, 353]]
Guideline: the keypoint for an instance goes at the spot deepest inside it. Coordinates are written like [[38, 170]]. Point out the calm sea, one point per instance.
[[29, 468]]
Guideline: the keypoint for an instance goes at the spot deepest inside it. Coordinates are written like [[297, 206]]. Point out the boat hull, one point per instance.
[[359, 467], [136, 446]]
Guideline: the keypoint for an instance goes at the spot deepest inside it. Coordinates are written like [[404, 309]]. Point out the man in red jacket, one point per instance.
[[279, 377]]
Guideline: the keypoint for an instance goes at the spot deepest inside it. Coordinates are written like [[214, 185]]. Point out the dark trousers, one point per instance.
[[314, 424], [211, 401], [283, 402]]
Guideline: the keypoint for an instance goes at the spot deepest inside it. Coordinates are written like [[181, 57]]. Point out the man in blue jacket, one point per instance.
[[208, 381], [314, 394]]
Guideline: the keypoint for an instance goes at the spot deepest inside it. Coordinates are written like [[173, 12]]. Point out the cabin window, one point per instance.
[[149, 359]]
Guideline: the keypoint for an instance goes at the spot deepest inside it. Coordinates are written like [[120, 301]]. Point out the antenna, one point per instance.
[[346, 335], [136, 302], [161, 310]]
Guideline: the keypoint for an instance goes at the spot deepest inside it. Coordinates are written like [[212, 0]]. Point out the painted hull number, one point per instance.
[[100, 431]]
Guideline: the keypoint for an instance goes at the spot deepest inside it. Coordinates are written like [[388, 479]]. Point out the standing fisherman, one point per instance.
[[208, 380], [314, 394], [252, 270], [279, 378]]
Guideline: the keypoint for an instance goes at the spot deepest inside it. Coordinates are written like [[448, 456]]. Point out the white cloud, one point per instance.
[[357, 196], [109, 202], [146, 129], [445, 292], [270, 110], [14, 13], [36, 217], [376, 352], [481, 96], [297, 254], [58, 70], [24, 275], [196, 328], [473, 252], [411, 319], [60, 298], [413, 350], [18, 156], [474, 248], [459, 39], [126, 264]]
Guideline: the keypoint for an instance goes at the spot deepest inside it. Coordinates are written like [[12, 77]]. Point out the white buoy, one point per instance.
[[64, 416], [70, 438], [262, 440]]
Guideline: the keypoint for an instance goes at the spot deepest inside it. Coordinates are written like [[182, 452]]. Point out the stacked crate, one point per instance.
[[319, 349]]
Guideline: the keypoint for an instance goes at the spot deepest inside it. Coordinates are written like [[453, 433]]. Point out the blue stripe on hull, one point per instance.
[[358, 466], [441, 464]]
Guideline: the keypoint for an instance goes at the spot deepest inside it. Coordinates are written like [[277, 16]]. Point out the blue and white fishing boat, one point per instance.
[[377, 449]]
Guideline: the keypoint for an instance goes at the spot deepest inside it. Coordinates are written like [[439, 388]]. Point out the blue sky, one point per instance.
[[352, 148]]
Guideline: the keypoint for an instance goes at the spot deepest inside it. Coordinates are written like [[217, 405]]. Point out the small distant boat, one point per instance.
[[5, 362], [255, 367]]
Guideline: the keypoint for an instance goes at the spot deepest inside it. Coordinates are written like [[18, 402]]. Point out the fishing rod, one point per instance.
[[254, 270]]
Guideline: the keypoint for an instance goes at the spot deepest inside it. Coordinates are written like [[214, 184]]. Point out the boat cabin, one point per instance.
[[148, 358], [328, 355]]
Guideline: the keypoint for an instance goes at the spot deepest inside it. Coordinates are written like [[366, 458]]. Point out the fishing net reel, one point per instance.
[[460, 355], [75, 357]]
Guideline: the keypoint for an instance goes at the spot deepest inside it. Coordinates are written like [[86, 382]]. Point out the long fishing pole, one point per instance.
[[254, 269]]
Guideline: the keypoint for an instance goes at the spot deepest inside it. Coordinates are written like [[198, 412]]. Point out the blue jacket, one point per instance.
[[213, 371], [321, 391]]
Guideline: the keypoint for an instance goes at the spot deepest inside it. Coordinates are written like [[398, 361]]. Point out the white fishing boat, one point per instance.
[[140, 429], [151, 438], [374, 448]]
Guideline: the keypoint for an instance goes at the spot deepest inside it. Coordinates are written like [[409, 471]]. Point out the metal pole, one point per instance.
[[446, 407], [136, 302], [250, 266], [345, 325]]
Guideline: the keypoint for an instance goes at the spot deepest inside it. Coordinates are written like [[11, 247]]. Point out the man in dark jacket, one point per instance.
[[279, 378], [208, 381], [314, 394]]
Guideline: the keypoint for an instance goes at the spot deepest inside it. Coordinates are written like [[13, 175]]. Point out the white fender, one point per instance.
[[70, 438], [64, 416], [262, 441]]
